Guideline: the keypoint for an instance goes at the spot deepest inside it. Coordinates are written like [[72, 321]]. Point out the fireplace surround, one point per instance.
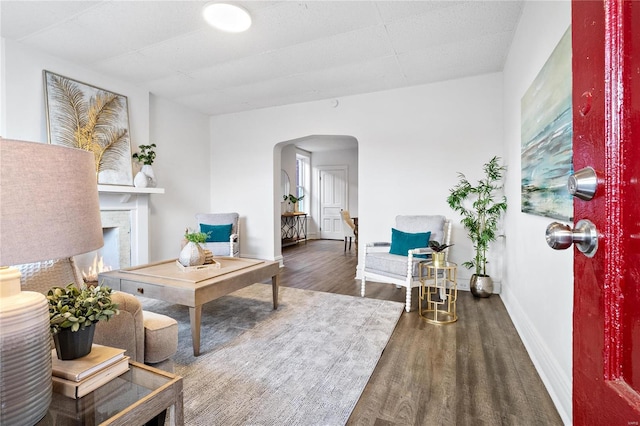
[[124, 211]]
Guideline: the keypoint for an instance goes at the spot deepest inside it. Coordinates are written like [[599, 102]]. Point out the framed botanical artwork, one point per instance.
[[83, 116], [546, 137]]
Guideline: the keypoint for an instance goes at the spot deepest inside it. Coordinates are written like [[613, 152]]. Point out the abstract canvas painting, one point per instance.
[[546, 137], [83, 116]]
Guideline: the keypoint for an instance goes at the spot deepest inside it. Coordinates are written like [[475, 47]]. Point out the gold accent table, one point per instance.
[[439, 291], [139, 396]]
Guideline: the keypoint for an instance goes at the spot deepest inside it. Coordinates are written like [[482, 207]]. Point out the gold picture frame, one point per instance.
[[83, 116]]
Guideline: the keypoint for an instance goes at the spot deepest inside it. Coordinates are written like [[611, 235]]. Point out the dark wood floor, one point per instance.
[[472, 372]]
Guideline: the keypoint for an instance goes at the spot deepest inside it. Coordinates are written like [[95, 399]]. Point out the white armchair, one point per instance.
[[225, 243], [382, 266]]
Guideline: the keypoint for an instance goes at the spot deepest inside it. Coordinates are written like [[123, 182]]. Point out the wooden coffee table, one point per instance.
[[166, 281]]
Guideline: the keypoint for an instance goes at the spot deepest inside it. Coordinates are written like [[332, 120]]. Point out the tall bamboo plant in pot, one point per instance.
[[480, 206]]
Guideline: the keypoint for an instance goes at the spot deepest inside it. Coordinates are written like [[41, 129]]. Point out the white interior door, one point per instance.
[[333, 197]]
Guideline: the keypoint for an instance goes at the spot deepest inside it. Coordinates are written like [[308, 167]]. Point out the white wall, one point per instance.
[[182, 165], [3, 88], [538, 284], [411, 144], [183, 170], [24, 93]]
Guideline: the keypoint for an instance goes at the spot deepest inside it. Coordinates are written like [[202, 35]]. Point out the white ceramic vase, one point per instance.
[[147, 170], [140, 180], [192, 255], [145, 178]]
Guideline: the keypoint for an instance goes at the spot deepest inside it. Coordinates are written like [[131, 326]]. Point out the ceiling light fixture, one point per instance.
[[227, 17]]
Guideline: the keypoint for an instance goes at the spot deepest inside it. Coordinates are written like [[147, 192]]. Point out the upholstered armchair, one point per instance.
[[224, 233], [147, 337], [396, 262]]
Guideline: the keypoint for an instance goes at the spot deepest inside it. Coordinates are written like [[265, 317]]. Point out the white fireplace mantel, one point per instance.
[[136, 201], [128, 191]]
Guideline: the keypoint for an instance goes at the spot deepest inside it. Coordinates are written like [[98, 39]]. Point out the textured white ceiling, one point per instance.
[[294, 51]]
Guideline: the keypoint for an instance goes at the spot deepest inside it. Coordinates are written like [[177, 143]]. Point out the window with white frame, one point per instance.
[[303, 180]]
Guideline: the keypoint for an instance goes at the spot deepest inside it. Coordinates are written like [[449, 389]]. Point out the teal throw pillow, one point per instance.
[[402, 242], [216, 233]]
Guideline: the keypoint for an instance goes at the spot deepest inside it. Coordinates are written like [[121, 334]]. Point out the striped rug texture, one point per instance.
[[304, 364]]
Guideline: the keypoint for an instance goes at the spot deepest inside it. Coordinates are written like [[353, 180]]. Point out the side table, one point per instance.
[[438, 292], [139, 396]]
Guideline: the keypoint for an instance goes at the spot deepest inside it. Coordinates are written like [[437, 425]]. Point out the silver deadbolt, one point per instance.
[[560, 237], [583, 184]]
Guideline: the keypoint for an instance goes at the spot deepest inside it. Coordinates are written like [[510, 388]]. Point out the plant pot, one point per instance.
[[140, 180], [192, 255], [437, 257], [151, 176], [145, 178], [74, 344], [481, 285]]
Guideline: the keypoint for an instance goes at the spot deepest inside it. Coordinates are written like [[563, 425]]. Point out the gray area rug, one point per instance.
[[305, 364]]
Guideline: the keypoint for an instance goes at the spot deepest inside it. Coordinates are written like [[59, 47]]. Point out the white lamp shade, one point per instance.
[[49, 205]]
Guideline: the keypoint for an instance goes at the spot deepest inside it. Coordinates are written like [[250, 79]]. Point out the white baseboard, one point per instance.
[[556, 381]]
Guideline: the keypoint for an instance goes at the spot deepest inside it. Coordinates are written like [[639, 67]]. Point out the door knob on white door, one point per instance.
[[585, 236]]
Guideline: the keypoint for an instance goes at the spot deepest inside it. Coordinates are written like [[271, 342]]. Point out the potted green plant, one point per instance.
[[294, 200], [480, 207], [437, 257], [192, 253], [145, 177], [73, 313], [146, 155]]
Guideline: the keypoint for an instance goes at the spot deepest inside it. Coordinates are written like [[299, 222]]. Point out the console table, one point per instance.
[[293, 228]]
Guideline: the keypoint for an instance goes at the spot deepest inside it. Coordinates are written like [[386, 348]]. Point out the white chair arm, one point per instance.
[[379, 244], [420, 250], [233, 238], [375, 247]]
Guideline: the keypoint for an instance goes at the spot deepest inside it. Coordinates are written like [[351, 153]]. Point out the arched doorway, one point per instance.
[[323, 152]]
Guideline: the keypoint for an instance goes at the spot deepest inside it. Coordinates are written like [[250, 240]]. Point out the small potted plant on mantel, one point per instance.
[[73, 314], [145, 177]]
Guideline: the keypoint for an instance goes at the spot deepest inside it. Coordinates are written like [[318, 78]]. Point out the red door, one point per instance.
[[606, 126]]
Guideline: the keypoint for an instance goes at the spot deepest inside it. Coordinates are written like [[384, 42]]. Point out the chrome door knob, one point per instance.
[[583, 184], [585, 236]]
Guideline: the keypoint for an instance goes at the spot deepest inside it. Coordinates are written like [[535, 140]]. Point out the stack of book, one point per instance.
[[78, 377]]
